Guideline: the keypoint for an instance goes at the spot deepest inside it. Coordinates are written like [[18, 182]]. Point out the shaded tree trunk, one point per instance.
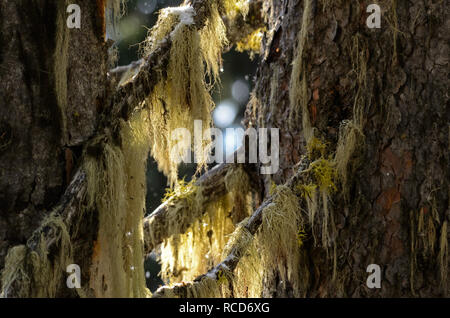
[[53, 81], [396, 77], [370, 103]]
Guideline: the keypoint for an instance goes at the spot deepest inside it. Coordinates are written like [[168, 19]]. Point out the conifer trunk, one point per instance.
[[392, 83], [53, 82]]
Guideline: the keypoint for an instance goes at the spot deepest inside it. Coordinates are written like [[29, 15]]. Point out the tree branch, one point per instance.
[[126, 100], [68, 209], [212, 186], [238, 249], [128, 97], [156, 225]]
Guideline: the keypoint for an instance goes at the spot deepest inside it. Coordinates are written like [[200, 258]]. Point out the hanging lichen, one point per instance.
[[247, 279], [15, 274], [116, 188], [278, 240], [443, 255], [114, 11], [37, 272], [351, 136], [310, 194], [325, 176], [106, 193], [185, 256], [274, 253], [235, 7], [136, 146], [61, 60], [184, 96], [426, 244], [252, 42], [298, 94]]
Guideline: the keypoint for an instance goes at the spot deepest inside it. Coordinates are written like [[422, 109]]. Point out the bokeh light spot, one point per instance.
[[225, 114], [240, 91]]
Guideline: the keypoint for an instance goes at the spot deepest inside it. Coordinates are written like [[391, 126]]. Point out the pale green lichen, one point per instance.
[[184, 96], [298, 92]]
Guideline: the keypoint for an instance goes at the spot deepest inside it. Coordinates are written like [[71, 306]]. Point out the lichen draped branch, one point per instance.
[[240, 253], [112, 172]]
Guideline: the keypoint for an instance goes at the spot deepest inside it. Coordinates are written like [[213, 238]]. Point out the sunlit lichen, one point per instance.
[[325, 174], [186, 255], [316, 148], [184, 95], [235, 7], [278, 238], [252, 42]]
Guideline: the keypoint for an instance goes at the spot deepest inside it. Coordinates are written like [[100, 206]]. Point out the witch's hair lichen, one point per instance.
[[278, 238], [116, 189], [426, 244], [325, 176], [184, 95], [61, 61], [351, 135], [15, 272], [247, 279], [38, 272], [298, 91], [309, 193], [187, 255], [272, 254], [135, 138], [443, 255], [252, 42], [235, 7]]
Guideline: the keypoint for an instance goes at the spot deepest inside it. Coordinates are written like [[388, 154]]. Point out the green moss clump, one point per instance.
[[316, 148], [325, 175], [307, 191], [182, 190]]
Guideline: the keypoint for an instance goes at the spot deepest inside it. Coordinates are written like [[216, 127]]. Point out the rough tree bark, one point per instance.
[[387, 88], [403, 167], [45, 120]]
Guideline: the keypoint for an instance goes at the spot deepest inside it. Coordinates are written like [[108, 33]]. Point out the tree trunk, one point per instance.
[[364, 161], [53, 81], [392, 82]]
